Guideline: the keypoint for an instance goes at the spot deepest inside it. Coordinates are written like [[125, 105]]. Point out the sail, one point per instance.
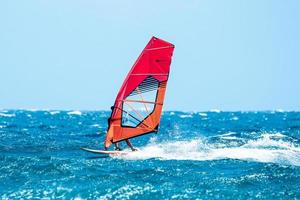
[[138, 105]]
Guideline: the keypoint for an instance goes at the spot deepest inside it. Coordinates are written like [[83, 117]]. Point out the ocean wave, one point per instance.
[[128, 191], [235, 118], [229, 138], [231, 157], [265, 149], [226, 134], [7, 115], [215, 110], [54, 112], [96, 125], [186, 116], [271, 141], [75, 112], [203, 114], [30, 193]]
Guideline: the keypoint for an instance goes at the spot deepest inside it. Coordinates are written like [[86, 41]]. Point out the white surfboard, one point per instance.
[[96, 151]]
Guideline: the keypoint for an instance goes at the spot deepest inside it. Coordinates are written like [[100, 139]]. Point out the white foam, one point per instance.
[[215, 110], [75, 112], [203, 114], [270, 141], [96, 125], [7, 115], [30, 193], [186, 116], [127, 191], [229, 138], [226, 134], [32, 109], [54, 112], [260, 150], [277, 135], [235, 118]]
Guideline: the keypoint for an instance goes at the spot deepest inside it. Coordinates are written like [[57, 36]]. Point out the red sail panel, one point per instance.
[[139, 102]]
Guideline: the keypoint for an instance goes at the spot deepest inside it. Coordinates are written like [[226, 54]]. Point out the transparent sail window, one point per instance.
[[140, 103]]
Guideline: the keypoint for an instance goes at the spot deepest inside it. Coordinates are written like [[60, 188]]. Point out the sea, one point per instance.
[[195, 155]]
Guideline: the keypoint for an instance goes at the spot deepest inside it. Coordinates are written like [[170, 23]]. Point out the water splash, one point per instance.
[[267, 149]]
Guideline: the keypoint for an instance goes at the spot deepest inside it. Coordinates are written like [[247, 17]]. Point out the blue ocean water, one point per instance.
[[206, 155]]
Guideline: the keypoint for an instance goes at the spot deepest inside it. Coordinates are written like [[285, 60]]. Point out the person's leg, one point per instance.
[[130, 145], [117, 147]]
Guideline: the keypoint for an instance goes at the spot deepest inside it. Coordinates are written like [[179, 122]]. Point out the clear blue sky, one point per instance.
[[229, 55]]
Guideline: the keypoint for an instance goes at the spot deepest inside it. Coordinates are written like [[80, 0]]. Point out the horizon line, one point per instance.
[[167, 110]]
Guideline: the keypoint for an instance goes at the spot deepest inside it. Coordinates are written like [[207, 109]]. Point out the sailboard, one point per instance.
[[138, 106], [139, 102], [95, 151]]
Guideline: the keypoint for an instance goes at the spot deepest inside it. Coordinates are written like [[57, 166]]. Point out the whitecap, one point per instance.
[[186, 116], [75, 112], [235, 118], [32, 109], [203, 114], [54, 112], [229, 138], [215, 110], [96, 125], [7, 115], [272, 141], [225, 134], [159, 170], [128, 191]]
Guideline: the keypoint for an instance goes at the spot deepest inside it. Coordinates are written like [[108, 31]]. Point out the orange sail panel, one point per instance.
[[138, 106]]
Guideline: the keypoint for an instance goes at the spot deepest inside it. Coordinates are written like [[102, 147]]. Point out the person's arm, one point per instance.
[[130, 145]]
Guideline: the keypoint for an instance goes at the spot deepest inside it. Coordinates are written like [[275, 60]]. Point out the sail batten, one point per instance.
[[138, 105]]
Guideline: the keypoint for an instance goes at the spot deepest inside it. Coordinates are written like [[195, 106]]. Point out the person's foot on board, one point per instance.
[[118, 149]]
